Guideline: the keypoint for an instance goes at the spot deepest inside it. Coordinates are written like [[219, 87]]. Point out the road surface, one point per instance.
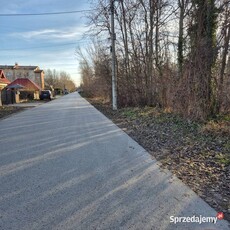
[[64, 165]]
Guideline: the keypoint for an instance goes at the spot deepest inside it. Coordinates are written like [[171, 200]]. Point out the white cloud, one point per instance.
[[50, 34], [34, 34]]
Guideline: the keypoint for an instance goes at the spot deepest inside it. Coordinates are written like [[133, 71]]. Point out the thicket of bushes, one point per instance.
[[172, 54]]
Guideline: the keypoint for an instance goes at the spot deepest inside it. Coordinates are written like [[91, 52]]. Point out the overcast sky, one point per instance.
[[47, 41]]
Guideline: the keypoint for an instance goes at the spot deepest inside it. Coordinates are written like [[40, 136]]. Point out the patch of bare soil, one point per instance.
[[6, 111], [197, 153]]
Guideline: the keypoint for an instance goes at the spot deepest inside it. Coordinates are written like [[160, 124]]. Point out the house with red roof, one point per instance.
[[27, 89], [3, 83], [3, 80]]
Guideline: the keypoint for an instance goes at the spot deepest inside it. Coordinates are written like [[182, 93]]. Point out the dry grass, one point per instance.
[[219, 127]]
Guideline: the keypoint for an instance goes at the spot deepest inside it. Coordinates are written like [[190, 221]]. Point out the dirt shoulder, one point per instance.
[[6, 111], [197, 153]]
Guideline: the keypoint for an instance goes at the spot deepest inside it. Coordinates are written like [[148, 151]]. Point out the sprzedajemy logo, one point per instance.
[[196, 219]]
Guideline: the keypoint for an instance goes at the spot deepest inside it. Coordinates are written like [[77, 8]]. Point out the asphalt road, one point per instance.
[[64, 165]]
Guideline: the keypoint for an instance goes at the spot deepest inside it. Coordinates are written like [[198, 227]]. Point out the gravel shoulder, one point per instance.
[[6, 111], [197, 153]]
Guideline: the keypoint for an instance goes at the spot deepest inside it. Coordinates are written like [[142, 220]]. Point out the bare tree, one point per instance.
[[157, 41], [55, 79], [225, 33]]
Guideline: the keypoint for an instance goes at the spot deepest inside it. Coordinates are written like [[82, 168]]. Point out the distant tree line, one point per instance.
[[171, 54], [58, 80]]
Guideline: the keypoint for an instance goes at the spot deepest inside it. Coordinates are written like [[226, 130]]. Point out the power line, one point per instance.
[[47, 13]]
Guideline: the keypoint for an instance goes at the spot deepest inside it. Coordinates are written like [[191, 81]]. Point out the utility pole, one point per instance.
[[114, 77]]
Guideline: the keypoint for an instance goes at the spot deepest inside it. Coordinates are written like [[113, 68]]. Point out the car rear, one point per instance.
[[45, 94]]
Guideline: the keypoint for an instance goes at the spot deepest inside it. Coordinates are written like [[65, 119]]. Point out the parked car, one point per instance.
[[66, 91], [45, 94]]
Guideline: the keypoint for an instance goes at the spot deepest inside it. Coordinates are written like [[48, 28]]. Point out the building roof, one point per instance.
[[26, 83], [15, 86], [38, 71], [3, 79], [16, 66]]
